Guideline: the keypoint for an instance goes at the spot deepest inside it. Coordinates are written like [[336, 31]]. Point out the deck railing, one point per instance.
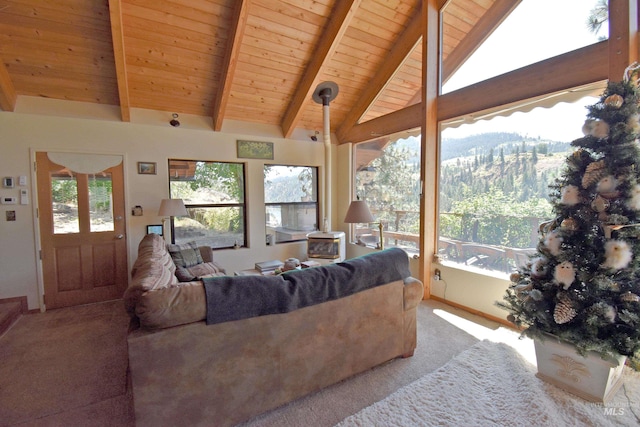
[[496, 242]]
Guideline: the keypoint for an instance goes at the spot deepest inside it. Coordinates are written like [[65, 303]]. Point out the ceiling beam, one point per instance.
[[579, 67], [8, 94], [487, 24], [238, 25], [403, 47], [117, 35], [339, 21]]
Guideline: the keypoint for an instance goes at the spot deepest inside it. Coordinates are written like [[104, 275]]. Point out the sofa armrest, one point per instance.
[[413, 293], [207, 253]]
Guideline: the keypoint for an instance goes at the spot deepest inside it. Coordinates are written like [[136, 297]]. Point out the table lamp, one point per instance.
[[359, 213], [171, 208]]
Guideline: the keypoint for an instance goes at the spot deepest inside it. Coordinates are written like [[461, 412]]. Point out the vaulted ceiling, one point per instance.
[[247, 60]]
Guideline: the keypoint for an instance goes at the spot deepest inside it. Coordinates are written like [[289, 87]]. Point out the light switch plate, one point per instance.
[[5, 200]]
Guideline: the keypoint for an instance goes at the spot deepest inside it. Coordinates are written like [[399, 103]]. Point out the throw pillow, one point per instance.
[[183, 274], [204, 269], [186, 254]]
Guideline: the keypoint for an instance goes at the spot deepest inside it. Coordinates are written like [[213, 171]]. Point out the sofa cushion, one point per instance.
[[186, 254], [198, 271], [152, 250]]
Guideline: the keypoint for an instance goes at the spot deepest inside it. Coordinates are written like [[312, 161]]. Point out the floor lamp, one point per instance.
[[171, 208], [359, 213]]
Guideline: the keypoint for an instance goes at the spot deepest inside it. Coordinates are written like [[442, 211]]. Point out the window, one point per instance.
[[534, 31], [494, 183], [387, 178], [291, 201], [213, 193]]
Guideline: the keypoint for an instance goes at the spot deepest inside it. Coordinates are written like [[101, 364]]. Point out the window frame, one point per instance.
[[316, 203], [388, 236], [242, 204]]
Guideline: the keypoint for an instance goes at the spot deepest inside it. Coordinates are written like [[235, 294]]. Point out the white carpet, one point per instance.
[[491, 384]]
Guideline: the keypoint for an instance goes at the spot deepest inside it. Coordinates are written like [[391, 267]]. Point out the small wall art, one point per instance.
[[147, 168], [255, 150]]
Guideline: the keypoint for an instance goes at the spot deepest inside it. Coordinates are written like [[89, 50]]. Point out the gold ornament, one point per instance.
[[564, 311], [614, 101], [630, 297], [600, 204], [594, 173], [569, 224], [515, 277]]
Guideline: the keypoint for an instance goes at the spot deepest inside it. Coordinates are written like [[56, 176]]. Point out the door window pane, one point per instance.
[[100, 202], [64, 202]]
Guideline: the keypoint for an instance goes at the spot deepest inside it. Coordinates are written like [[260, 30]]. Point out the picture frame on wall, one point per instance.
[[147, 168], [254, 149]]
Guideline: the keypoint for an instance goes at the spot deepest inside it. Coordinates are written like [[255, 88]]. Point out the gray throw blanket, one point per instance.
[[240, 297]]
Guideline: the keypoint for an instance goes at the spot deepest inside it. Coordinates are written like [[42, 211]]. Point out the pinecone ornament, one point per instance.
[[630, 297], [595, 172], [564, 311]]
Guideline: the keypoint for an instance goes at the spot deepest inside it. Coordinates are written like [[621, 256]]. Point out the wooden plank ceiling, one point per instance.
[[247, 60]]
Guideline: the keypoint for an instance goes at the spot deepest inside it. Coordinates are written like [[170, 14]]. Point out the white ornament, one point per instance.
[[634, 122], [564, 274], [610, 314], [539, 267], [553, 241], [634, 201], [570, 195], [617, 254], [607, 184], [597, 128]]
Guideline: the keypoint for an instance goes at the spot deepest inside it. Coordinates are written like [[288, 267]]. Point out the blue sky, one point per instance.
[[536, 30]]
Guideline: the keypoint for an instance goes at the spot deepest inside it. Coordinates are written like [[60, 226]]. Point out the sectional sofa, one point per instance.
[[218, 350]]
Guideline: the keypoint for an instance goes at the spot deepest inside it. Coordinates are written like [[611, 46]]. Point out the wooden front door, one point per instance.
[[82, 232]]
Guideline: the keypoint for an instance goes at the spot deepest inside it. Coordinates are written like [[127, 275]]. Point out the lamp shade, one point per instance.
[[172, 207], [358, 213]]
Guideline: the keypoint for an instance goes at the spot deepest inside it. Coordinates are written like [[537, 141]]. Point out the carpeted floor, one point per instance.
[[68, 367], [491, 384]]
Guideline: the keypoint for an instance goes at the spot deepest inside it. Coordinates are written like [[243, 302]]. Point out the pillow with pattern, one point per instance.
[[185, 255]]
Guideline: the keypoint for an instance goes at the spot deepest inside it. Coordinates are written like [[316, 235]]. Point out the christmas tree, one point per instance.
[[583, 284]]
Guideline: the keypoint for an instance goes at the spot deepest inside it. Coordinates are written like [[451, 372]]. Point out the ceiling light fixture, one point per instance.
[[174, 122]]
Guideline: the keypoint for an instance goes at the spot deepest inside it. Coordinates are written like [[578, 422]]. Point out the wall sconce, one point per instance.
[[314, 137], [174, 122], [359, 213]]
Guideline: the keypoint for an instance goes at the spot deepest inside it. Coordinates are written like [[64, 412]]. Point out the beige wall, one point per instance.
[[43, 124], [147, 138]]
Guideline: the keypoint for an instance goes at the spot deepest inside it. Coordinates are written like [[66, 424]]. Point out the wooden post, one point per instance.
[[623, 36]]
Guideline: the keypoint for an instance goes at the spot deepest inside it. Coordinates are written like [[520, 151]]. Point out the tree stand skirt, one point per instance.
[[592, 378]]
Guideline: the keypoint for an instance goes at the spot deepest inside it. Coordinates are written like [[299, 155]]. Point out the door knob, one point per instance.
[[120, 236], [119, 218]]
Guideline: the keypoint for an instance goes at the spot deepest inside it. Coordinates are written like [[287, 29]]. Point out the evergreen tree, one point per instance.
[[583, 284]]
